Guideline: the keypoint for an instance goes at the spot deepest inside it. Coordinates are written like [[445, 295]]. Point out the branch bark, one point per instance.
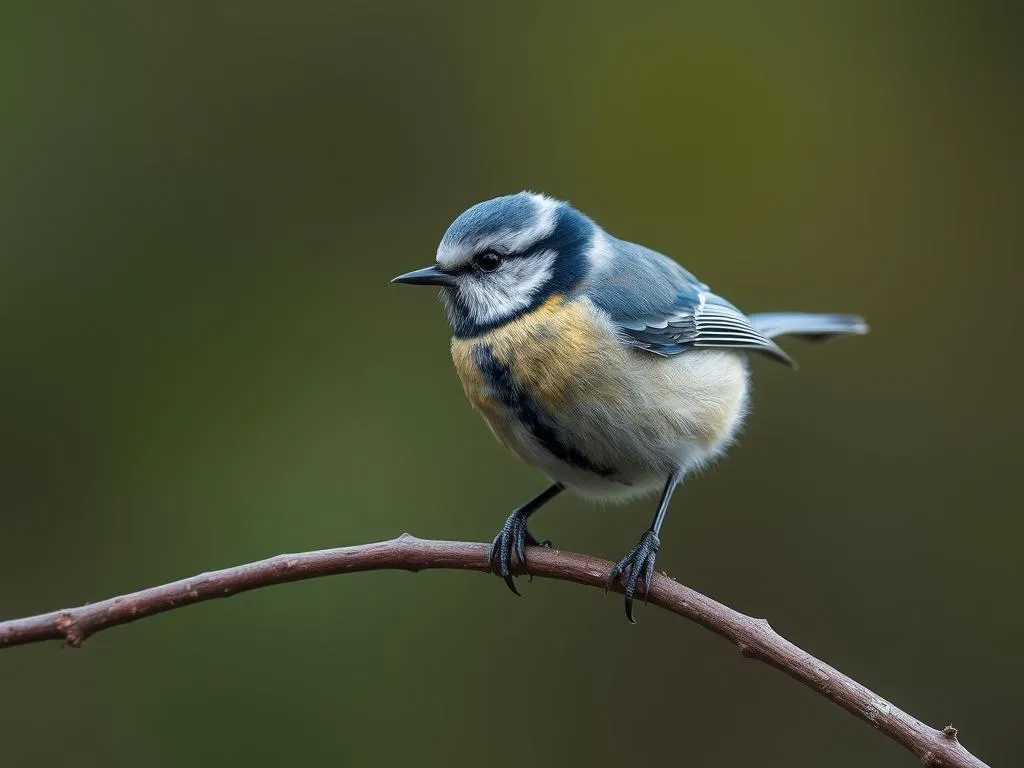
[[754, 637]]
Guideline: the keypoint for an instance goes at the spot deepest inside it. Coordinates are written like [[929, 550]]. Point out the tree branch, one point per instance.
[[754, 637]]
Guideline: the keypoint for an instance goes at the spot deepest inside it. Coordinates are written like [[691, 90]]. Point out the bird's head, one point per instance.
[[505, 257]]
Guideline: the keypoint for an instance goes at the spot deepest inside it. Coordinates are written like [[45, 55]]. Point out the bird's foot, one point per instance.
[[638, 564], [512, 538]]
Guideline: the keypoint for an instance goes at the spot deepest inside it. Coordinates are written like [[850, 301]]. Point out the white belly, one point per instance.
[[680, 413]]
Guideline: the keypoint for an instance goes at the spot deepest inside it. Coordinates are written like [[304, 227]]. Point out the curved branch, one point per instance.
[[754, 637]]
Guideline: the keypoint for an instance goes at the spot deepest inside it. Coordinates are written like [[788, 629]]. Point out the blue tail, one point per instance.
[[809, 325]]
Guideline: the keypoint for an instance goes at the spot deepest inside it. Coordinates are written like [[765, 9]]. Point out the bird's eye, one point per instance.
[[487, 261]]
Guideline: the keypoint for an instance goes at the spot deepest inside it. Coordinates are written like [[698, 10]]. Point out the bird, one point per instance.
[[602, 363]]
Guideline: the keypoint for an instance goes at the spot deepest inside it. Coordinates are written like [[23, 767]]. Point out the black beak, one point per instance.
[[426, 276]]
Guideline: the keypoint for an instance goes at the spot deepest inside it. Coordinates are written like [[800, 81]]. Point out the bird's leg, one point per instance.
[[639, 562], [514, 536]]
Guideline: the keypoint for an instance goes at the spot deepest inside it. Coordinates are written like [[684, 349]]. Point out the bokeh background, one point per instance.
[[202, 363]]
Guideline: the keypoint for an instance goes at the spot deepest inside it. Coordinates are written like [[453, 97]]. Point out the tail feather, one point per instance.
[[809, 325]]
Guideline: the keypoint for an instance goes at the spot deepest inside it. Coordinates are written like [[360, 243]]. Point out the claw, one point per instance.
[[511, 540], [637, 564], [520, 550], [648, 578], [634, 572], [511, 582]]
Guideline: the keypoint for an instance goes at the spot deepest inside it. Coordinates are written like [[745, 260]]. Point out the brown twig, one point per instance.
[[754, 637]]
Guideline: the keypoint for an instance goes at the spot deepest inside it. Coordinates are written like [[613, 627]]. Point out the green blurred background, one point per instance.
[[203, 363]]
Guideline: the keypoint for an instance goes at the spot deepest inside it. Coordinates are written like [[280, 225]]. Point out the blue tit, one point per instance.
[[600, 362]]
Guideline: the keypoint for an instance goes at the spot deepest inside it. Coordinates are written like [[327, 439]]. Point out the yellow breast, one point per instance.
[[555, 354]]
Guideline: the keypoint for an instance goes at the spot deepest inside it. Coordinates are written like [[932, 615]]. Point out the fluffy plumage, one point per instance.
[[603, 363], [605, 419]]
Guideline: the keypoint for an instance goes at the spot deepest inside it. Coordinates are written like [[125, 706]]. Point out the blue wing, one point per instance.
[[660, 307]]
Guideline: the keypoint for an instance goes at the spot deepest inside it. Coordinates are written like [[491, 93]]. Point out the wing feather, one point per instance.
[[659, 307]]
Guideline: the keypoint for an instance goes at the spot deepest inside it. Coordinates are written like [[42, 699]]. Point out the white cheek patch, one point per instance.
[[510, 288]]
